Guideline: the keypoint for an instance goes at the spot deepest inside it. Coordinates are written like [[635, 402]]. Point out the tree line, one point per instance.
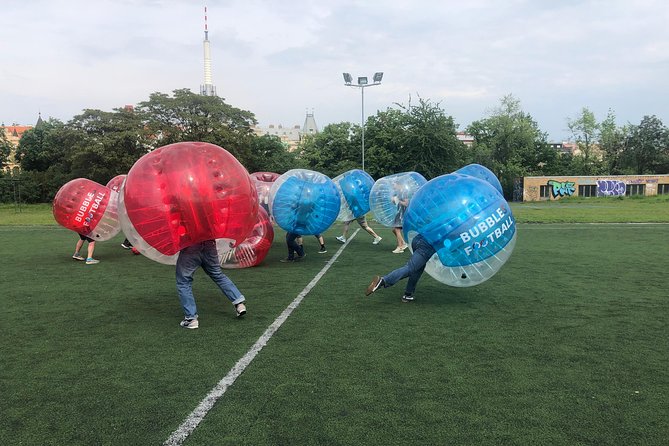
[[419, 136]]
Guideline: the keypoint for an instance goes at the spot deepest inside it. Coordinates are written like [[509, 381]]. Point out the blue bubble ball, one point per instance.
[[304, 202], [482, 173], [383, 199], [354, 188], [468, 223]]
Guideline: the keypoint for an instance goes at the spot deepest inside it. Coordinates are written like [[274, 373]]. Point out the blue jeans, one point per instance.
[[422, 251], [293, 247], [202, 254]]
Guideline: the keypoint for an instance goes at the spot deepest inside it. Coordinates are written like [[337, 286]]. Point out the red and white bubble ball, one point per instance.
[[263, 182], [185, 193], [88, 208], [254, 249], [116, 183]]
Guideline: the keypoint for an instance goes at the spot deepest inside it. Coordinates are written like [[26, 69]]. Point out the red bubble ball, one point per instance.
[[254, 249], [87, 208], [185, 193], [116, 183]]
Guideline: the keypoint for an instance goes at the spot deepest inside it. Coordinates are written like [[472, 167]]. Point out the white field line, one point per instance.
[[192, 421]]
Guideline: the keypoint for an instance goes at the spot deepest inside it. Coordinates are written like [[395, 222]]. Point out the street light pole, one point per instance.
[[362, 84]]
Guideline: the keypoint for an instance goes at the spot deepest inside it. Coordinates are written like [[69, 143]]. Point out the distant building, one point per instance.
[[466, 139], [14, 133], [290, 136], [572, 148]]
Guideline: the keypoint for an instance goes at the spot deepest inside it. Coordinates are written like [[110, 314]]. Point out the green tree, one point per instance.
[[5, 149], [45, 156], [105, 144], [269, 154], [510, 143], [41, 147], [187, 116], [419, 138], [612, 141], [584, 129], [647, 148], [334, 150]]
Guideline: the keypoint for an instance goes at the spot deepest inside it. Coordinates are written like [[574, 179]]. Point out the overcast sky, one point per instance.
[[279, 59]]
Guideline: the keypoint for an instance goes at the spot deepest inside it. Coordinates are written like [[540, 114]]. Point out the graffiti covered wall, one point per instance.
[[557, 187]]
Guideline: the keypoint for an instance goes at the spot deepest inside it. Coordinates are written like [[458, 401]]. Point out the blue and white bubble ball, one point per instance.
[[468, 222], [304, 202], [354, 189], [482, 173], [384, 194]]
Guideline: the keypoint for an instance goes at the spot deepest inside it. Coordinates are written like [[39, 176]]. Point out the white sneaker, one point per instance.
[[398, 250], [377, 239], [78, 257], [189, 323], [91, 261], [342, 239]]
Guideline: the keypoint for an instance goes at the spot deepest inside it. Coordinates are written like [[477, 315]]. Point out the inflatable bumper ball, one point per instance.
[[384, 193], [354, 188], [263, 182], [186, 193], [116, 183], [482, 173], [254, 249], [87, 208], [304, 202], [469, 224]]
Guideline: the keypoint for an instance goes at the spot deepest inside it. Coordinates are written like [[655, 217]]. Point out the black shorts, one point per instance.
[[87, 239]]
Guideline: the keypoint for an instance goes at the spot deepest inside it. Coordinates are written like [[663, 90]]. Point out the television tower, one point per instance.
[[208, 88]]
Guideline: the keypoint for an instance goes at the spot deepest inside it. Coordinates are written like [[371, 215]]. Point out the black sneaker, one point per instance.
[[298, 258], [241, 309], [124, 246], [408, 298], [323, 250], [287, 260]]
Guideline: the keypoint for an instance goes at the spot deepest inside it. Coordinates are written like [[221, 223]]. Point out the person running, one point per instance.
[[401, 200], [91, 248], [413, 269], [293, 248], [362, 221], [205, 255]]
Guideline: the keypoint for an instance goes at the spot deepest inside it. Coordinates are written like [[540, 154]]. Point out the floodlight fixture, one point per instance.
[[363, 82]]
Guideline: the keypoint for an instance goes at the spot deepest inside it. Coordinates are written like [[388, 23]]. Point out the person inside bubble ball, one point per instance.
[[91, 248], [362, 221], [413, 269], [294, 247], [203, 254], [401, 200]]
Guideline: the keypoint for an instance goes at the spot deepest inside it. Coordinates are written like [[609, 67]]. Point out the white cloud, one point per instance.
[[278, 59]]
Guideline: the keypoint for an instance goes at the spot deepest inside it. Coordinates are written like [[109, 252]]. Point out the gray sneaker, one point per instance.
[[341, 238], [191, 324], [77, 257]]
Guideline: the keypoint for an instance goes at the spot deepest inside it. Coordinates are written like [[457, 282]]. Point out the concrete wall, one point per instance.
[[606, 185]]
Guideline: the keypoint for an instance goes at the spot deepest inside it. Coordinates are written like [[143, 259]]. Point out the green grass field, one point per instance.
[[567, 345]]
